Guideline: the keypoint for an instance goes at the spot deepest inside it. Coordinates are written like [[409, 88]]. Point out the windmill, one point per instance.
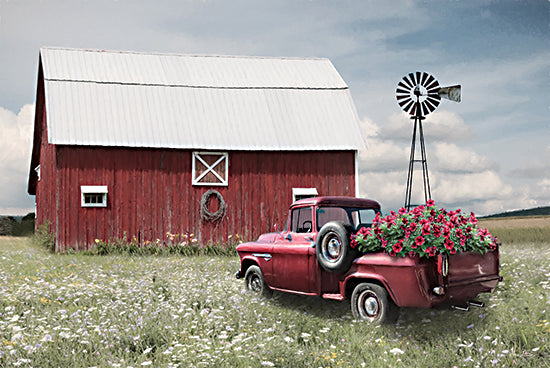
[[419, 94]]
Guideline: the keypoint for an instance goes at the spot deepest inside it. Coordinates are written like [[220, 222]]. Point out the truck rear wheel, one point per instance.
[[371, 302], [333, 247], [254, 282]]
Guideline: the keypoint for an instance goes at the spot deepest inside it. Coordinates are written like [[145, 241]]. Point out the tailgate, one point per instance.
[[469, 267]]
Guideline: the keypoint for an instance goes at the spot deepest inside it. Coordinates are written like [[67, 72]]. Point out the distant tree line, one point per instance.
[[17, 226], [539, 211]]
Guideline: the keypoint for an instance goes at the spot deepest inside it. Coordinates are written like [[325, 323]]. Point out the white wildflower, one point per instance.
[[147, 351]]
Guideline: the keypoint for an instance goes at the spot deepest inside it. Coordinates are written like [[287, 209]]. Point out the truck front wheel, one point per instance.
[[254, 282], [370, 302]]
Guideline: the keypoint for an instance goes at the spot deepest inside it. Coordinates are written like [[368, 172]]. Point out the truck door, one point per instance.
[[293, 251]]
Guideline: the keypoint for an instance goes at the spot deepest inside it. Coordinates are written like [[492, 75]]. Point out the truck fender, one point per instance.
[[351, 281], [246, 262]]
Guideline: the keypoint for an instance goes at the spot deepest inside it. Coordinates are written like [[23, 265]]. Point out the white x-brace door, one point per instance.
[[221, 177]]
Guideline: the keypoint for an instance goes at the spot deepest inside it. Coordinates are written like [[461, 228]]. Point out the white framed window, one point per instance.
[[301, 193], [210, 168], [93, 195]]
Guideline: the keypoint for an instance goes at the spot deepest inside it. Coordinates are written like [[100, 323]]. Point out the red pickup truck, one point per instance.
[[313, 256]]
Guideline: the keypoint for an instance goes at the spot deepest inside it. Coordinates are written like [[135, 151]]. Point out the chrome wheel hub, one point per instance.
[[255, 284], [371, 306], [368, 305], [333, 249]]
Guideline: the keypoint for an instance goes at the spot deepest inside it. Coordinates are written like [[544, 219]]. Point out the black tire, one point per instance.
[[333, 247], [254, 282], [371, 302]]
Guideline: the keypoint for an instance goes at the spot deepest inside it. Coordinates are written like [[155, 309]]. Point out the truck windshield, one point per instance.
[[356, 217]]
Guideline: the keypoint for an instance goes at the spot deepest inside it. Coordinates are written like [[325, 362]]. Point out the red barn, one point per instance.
[[143, 144]]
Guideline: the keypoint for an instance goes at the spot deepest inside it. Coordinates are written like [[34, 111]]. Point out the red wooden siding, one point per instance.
[[44, 153], [150, 191]]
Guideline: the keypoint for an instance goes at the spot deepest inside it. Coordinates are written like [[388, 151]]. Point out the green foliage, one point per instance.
[[181, 244], [425, 231], [23, 228], [44, 237]]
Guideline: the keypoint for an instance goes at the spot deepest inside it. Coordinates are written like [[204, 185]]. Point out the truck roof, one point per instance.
[[337, 201]]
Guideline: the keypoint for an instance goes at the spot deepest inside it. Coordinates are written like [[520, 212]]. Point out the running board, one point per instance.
[[333, 296]]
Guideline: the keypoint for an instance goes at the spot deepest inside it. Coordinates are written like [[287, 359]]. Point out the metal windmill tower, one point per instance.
[[419, 94]]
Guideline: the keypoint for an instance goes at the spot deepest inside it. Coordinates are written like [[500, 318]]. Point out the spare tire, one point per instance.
[[333, 247]]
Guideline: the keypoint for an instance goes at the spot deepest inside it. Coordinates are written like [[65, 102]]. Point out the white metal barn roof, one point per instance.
[[131, 99]]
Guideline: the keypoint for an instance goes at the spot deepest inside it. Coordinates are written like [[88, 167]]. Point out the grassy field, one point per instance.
[[122, 311], [519, 230]]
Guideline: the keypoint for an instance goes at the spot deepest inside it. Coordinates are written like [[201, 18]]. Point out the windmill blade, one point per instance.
[[424, 109], [429, 81], [431, 85], [404, 87], [430, 105], [424, 77], [406, 82], [450, 93], [408, 106], [404, 103], [413, 79], [418, 76]]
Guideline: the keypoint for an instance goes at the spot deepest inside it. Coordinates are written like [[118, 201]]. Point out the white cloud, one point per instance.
[[386, 187], [543, 192], [465, 187], [459, 176], [15, 160], [448, 157], [383, 156], [441, 125]]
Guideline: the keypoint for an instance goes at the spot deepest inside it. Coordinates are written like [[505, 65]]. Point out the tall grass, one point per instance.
[[522, 235], [519, 230], [120, 311]]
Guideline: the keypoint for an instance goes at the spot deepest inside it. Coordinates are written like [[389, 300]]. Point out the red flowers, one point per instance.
[[397, 247], [426, 231], [431, 251], [418, 242]]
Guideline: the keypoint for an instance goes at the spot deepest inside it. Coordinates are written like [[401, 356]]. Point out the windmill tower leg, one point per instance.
[[425, 176], [413, 161]]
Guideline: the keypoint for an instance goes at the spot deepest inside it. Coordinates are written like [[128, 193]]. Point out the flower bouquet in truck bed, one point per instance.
[[426, 231]]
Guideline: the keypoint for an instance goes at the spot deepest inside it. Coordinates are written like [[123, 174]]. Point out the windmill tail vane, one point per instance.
[[450, 93], [419, 94]]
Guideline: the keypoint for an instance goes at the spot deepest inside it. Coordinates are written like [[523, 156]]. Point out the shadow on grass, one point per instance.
[[425, 322], [313, 305]]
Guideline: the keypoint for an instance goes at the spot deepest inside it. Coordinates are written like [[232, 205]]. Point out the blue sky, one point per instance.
[[487, 154]]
